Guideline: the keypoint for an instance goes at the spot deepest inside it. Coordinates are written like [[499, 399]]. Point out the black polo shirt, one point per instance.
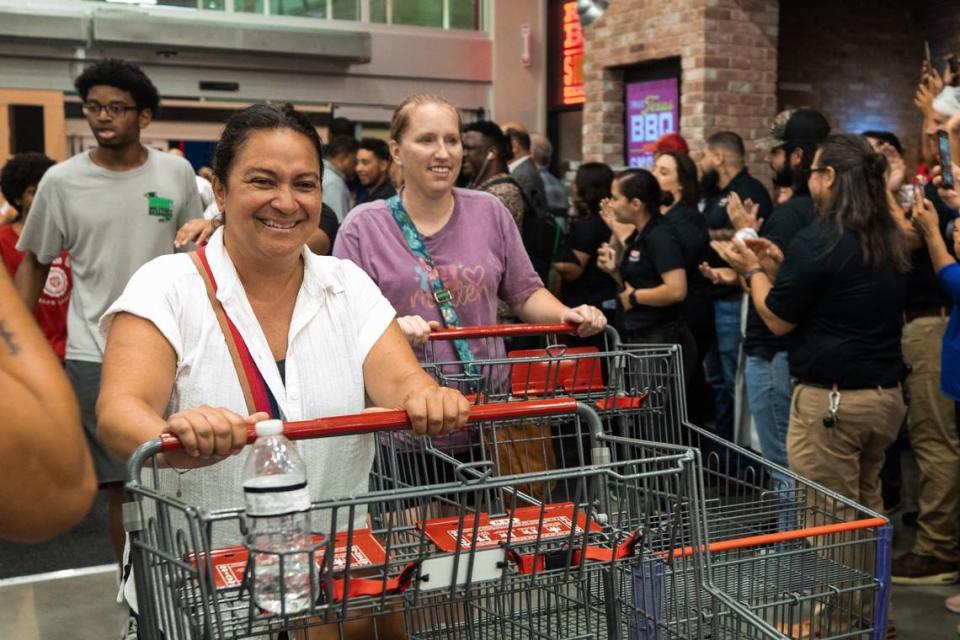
[[383, 192], [647, 254], [923, 291], [715, 213], [848, 314], [782, 225], [691, 228], [593, 286]]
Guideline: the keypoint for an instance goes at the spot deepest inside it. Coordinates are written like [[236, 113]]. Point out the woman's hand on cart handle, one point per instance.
[[212, 432], [436, 411], [589, 320], [416, 329]]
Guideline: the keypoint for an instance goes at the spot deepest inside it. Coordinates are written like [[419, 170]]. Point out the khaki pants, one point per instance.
[[933, 437], [847, 457]]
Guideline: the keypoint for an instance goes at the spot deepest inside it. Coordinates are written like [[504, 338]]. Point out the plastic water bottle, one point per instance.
[[278, 515]]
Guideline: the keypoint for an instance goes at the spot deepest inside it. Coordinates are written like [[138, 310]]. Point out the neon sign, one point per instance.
[[572, 68]]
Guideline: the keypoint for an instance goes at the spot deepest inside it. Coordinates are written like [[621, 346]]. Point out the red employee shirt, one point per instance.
[[51, 309]]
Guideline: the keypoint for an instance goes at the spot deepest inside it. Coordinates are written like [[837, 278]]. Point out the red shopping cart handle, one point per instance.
[[503, 330], [398, 420]]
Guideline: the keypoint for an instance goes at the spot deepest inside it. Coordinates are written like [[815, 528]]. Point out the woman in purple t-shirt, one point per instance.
[[470, 236]]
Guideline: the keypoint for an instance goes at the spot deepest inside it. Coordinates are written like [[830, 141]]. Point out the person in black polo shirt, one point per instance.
[[795, 135], [373, 171], [650, 276], [724, 165], [839, 294], [677, 175], [930, 418]]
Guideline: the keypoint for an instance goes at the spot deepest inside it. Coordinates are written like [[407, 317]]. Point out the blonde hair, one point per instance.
[[401, 117]]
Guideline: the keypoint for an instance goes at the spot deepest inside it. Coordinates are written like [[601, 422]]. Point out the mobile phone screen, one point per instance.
[[946, 165]]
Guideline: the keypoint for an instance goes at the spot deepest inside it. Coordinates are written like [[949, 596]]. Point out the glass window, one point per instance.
[[421, 13], [464, 14], [346, 9], [310, 8], [378, 10], [248, 6], [214, 5]]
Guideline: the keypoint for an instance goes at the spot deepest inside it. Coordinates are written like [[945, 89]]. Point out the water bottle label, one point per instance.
[[272, 500]]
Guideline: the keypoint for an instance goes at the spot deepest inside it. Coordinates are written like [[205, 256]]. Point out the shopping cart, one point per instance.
[[468, 556], [804, 560]]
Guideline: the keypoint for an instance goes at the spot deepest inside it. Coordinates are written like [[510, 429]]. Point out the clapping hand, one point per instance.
[[607, 258], [718, 275], [740, 257], [768, 253], [743, 214]]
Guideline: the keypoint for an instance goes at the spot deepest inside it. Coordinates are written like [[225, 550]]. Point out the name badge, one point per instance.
[[634, 255]]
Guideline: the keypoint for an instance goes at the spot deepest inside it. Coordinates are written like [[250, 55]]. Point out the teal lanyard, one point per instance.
[[440, 293]]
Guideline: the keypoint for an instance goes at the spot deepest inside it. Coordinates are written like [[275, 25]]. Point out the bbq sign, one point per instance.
[[653, 110]]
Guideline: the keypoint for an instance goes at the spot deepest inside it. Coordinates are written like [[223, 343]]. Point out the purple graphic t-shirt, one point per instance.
[[478, 253]]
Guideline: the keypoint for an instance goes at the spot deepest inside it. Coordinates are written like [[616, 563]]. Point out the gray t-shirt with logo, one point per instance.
[[111, 223]]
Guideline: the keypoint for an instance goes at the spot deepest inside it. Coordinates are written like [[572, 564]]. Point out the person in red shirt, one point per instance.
[[18, 182]]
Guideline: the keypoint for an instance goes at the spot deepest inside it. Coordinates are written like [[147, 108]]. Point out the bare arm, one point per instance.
[[139, 366], [570, 271], [30, 278], [43, 446], [543, 306], [394, 379], [914, 240], [672, 291]]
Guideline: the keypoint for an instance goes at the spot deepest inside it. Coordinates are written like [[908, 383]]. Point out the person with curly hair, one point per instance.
[[113, 209], [18, 182]]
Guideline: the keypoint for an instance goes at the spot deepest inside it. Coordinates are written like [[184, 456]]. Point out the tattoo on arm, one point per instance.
[[7, 338]]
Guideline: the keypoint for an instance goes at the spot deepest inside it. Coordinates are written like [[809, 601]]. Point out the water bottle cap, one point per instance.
[[269, 428]]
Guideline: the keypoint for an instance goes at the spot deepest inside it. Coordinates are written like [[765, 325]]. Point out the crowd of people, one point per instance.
[[823, 315]]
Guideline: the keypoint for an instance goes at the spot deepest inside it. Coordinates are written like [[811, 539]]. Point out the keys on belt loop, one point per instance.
[[832, 417]]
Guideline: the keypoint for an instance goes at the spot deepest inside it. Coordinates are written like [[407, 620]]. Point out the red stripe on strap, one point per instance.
[[258, 389]]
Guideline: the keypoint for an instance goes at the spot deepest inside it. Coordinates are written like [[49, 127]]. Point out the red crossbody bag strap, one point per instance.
[[251, 382]]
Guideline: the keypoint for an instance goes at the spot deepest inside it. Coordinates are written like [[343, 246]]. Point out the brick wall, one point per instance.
[[858, 67], [728, 53], [940, 24]]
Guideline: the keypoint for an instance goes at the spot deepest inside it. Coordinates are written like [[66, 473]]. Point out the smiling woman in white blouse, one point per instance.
[[318, 330]]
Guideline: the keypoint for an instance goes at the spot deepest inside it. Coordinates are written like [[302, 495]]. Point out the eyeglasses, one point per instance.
[[114, 109]]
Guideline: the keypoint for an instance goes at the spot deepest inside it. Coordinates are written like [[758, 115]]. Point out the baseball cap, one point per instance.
[[796, 126], [667, 142]]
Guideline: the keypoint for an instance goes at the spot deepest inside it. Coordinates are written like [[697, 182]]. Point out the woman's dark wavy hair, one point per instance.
[[640, 184], [259, 117], [594, 181], [859, 202], [686, 176]]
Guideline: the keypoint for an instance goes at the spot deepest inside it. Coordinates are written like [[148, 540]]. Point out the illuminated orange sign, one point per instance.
[[572, 56]]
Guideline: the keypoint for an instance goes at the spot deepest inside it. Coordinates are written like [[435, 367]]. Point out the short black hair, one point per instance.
[[727, 141], [340, 145], [522, 138], [640, 184], [21, 172], [260, 117], [121, 75], [377, 147], [342, 127], [885, 136], [492, 136], [594, 181]]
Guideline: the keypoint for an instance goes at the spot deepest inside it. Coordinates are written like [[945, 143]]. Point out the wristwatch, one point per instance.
[[621, 287], [749, 274], [633, 298]]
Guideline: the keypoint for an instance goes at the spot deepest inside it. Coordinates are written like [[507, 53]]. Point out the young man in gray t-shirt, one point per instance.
[[112, 209]]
